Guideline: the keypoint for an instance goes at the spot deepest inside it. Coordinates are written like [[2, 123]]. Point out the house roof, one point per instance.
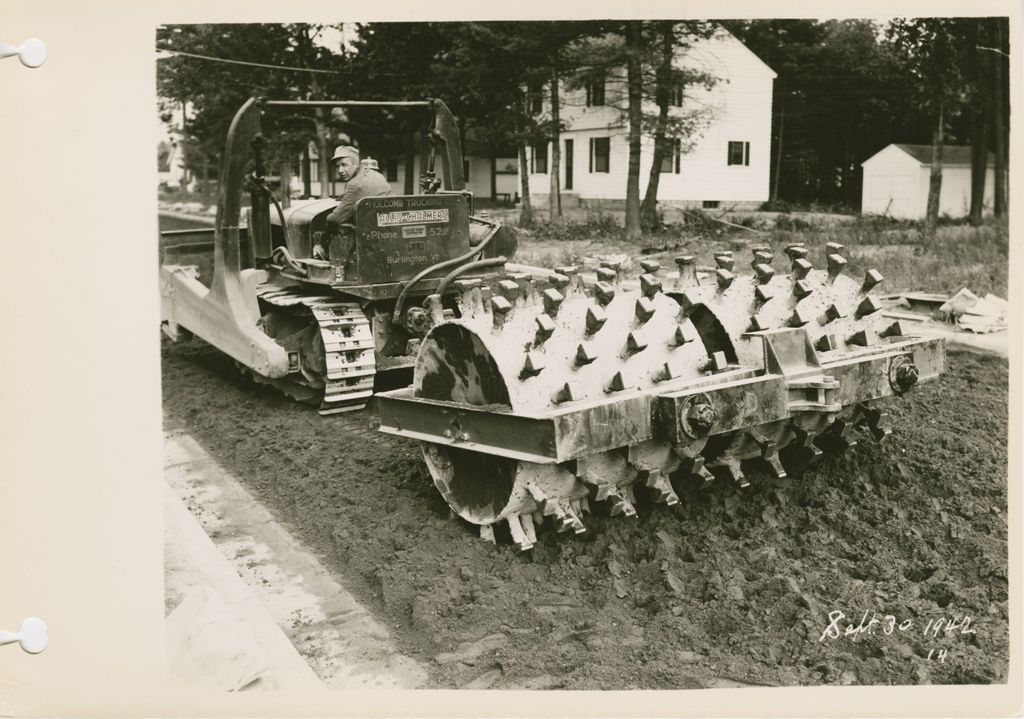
[[952, 155]]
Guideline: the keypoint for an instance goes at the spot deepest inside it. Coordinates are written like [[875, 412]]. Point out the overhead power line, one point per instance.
[[249, 64]]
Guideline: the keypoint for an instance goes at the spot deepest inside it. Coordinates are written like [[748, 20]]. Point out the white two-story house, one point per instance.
[[727, 165]]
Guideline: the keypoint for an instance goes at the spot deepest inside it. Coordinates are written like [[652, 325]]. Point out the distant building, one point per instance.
[[896, 182], [476, 168], [729, 164]]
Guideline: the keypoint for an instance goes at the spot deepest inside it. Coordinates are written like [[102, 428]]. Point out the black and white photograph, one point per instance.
[[660, 354], [532, 360]]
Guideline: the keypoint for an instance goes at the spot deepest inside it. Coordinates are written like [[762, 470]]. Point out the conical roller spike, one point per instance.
[[567, 270], [725, 262], [893, 330], [606, 274], [872, 418], [732, 466], [509, 289], [724, 279], [833, 248], [570, 392], [585, 354], [756, 325], [663, 492], [612, 265], [825, 343], [687, 271], [595, 319], [836, 265], [552, 300], [871, 279], [687, 301], [861, 338], [644, 310], [762, 295], [487, 533], [619, 382], [800, 268], [803, 438], [695, 466], [650, 266], [667, 372], [545, 328], [519, 534], [795, 252], [486, 293], [604, 293], [559, 282], [801, 288], [867, 306], [635, 342], [716, 363], [500, 307], [533, 365], [649, 285], [762, 258], [832, 313], [799, 318], [617, 500], [679, 337], [764, 273]]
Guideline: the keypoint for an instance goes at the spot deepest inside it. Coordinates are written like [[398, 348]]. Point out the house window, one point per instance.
[[595, 91], [670, 160], [675, 96], [739, 153], [535, 98], [539, 159], [391, 169], [600, 151], [465, 170]]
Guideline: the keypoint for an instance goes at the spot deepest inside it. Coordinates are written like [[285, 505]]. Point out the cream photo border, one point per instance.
[[81, 536]]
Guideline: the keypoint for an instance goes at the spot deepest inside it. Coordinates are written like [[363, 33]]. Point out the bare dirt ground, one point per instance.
[[730, 588]]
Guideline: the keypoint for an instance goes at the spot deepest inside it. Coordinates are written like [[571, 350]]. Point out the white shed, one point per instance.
[[896, 181]]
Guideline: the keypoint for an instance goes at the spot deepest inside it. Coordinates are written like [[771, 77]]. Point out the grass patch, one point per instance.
[[958, 256]]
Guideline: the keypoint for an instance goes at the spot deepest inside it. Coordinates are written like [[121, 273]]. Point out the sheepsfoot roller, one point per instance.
[[548, 397]]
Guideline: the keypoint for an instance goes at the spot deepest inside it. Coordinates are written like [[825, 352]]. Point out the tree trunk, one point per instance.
[[494, 175], [935, 178], [526, 209], [307, 181], [322, 166], [286, 183], [778, 155], [979, 126], [635, 113], [555, 196], [409, 180], [663, 77], [999, 140]]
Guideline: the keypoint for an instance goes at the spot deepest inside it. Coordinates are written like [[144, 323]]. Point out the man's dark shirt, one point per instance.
[[366, 183]]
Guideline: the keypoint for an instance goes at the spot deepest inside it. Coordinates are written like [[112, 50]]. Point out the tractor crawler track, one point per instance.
[[348, 365]]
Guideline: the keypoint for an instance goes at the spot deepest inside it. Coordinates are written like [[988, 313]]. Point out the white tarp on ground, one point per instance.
[[976, 314], [209, 646]]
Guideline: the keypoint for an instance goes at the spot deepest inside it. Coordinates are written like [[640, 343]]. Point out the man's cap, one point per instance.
[[344, 151]]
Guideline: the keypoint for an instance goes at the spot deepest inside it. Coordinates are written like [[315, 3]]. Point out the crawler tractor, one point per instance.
[[320, 329], [544, 397]]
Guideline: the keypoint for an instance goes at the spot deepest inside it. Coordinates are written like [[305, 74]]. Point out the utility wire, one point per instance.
[[250, 64]]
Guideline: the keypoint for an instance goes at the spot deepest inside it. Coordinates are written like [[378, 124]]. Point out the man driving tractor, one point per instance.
[[359, 182]]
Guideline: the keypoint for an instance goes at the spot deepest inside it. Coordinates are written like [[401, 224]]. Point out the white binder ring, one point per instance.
[[32, 636], [32, 52]]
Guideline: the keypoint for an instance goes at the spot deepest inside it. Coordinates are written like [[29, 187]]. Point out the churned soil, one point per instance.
[[732, 587]]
